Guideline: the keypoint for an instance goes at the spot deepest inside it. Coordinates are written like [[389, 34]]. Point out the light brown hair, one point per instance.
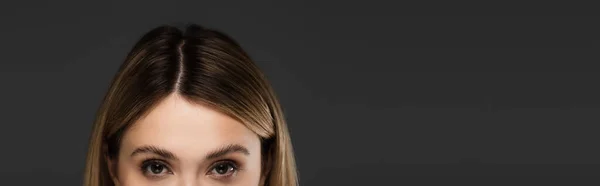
[[204, 66]]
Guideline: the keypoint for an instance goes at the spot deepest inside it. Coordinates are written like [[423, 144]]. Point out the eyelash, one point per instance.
[[146, 165], [232, 168]]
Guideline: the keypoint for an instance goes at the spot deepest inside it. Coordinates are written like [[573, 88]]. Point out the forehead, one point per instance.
[[184, 127]]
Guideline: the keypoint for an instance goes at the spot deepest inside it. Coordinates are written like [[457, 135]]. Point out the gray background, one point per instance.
[[375, 93]]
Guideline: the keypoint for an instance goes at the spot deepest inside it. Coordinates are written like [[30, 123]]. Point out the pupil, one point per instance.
[[156, 168], [222, 169]]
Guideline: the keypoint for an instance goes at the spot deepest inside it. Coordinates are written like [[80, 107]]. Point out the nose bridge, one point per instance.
[[189, 179], [189, 182]]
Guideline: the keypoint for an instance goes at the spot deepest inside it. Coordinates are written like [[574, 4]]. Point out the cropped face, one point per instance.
[[182, 143]]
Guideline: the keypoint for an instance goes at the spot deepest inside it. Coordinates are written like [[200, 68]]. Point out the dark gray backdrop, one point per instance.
[[375, 93]]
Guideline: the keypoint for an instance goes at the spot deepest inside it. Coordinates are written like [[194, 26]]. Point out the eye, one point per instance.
[[155, 168], [223, 169]]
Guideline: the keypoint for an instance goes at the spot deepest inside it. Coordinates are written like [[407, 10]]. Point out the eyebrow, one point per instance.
[[154, 150], [232, 148]]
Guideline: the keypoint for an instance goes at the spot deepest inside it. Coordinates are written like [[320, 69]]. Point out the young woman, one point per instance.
[[189, 108]]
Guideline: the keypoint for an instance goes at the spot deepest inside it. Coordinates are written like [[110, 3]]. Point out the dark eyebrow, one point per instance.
[[154, 150], [228, 149]]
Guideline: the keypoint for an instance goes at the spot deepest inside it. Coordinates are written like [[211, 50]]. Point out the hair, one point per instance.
[[203, 66]]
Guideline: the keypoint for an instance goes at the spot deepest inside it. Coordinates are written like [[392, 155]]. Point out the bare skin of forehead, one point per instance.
[[180, 125]]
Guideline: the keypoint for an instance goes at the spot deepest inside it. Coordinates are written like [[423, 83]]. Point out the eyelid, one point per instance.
[[235, 164], [149, 161], [225, 161], [155, 160]]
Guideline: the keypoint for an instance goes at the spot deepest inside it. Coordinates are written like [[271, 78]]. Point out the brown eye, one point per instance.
[[223, 169], [155, 168]]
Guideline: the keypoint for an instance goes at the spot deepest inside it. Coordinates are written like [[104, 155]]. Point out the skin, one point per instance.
[[189, 132]]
